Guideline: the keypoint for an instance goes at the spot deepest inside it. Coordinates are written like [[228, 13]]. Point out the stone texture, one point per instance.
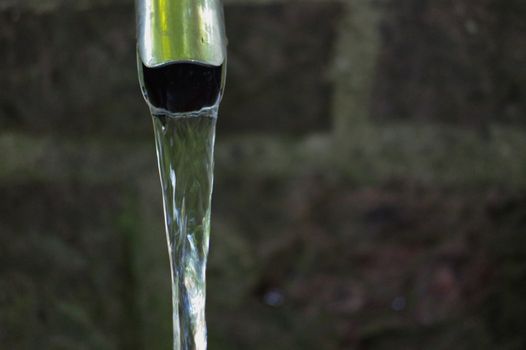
[[458, 62], [279, 58], [353, 208], [389, 267], [65, 276], [71, 71], [354, 69]]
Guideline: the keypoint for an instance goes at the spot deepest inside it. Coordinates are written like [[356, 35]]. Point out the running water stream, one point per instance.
[[185, 148], [183, 100]]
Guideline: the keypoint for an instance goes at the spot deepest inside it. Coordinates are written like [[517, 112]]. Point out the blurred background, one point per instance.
[[370, 179]]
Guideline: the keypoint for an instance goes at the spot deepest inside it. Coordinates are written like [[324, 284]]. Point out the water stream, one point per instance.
[[184, 98], [185, 149]]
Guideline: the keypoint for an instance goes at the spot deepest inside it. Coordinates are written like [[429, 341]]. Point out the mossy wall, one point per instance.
[[370, 179]]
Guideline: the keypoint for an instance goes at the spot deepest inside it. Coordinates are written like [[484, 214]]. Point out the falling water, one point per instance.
[[183, 100], [185, 147]]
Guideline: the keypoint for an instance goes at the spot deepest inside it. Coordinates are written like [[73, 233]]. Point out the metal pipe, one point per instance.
[[171, 31]]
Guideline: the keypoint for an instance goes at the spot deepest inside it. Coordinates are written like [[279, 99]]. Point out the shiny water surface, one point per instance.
[[185, 150]]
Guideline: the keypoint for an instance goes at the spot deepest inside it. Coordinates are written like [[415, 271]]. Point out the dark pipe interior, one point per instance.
[[182, 87]]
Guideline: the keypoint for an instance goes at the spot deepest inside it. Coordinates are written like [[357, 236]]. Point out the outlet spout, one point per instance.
[[181, 54], [172, 31]]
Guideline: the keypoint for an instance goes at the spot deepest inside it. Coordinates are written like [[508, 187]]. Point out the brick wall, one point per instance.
[[370, 177]]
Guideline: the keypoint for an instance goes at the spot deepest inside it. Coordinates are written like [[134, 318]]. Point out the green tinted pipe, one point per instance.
[[171, 31]]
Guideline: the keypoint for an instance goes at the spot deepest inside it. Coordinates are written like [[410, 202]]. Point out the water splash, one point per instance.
[[185, 150]]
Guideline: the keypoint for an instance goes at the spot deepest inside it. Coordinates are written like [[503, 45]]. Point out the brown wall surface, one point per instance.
[[370, 188]]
